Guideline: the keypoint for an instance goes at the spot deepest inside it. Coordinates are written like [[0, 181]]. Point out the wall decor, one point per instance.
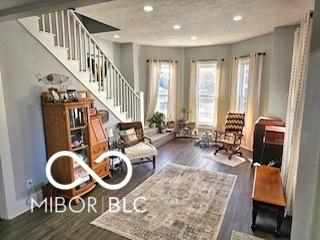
[[53, 79]]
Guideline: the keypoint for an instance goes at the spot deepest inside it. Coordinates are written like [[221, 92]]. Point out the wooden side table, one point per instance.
[[268, 193]]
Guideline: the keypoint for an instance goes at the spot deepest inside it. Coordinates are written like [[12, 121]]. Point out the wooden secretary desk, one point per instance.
[[69, 126]]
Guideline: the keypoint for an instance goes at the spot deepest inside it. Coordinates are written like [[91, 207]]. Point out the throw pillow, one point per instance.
[[128, 137]]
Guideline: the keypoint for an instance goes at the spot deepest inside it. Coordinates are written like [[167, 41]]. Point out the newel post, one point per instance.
[[141, 108]]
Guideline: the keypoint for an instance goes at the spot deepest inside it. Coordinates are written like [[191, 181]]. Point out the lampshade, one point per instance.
[[109, 132]]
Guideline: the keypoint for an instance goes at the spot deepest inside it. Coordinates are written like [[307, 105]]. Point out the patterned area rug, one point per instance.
[[181, 202], [221, 158], [243, 236]]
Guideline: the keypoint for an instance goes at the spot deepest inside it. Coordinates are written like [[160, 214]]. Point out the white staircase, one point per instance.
[[67, 39]]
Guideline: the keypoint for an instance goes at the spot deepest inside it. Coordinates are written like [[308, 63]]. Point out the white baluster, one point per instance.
[[85, 51], [69, 34], [50, 23], [103, 72], [57, 29], [121, 93], [94, 67], [141, 107], [43, 23], [80, 48], [75, 39], [114, 86], [63, 29], [99, 69], [90, 61], [135, 106], [107, 77]]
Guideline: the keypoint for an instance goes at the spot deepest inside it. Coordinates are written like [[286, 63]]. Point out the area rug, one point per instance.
[[243, 236], [221, 158], [181, 203]]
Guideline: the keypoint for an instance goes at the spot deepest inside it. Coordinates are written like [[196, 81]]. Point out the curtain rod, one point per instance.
[[203, 60], [245, 56], [149, 60]]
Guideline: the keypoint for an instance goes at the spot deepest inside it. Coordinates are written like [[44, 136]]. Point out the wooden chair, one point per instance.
[[143, 149], [230, 139]]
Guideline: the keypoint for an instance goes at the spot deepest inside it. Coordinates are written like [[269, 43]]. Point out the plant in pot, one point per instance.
[[185, 111], [158, 119]]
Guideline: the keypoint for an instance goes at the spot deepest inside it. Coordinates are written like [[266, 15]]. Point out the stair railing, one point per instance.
[[70, 33]]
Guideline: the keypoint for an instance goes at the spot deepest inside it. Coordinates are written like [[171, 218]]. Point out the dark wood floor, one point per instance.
[[41, 225]]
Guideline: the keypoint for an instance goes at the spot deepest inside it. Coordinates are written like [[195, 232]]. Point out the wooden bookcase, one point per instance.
[[67, 127]]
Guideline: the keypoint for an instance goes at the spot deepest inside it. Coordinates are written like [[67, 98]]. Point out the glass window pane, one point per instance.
[[243, 86], [162, 101], [206, 79]]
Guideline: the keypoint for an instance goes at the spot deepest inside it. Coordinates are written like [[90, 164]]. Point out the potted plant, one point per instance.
[[158, 119], [185, 111], [162, 128]]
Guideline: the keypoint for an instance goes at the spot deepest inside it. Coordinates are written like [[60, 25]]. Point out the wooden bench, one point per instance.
[[268, 193]]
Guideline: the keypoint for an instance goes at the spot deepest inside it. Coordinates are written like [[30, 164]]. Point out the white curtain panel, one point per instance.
[[173, 90], [253, 111], [233, 84], [154, 71], [192, 91], [220, 108], [295, 106]]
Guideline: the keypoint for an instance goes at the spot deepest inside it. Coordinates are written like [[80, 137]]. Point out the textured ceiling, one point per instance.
[[209, 20]]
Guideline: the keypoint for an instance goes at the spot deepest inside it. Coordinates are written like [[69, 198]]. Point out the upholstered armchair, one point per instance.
[[135, 145], [229, 139]]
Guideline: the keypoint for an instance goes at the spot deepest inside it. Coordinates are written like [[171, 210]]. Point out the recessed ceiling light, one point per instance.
[[177, 26], [194, 37], [116, 36], [237, 18], [148, 8]]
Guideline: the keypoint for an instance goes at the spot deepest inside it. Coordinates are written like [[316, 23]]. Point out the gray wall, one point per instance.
[[22, 57], [127, 63], [280, 71]]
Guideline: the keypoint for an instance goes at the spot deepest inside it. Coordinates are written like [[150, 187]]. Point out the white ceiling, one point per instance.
[[209, 20]]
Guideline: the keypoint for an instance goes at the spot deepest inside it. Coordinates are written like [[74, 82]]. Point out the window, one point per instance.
[[163, 93], [206, 99], [243, 85]]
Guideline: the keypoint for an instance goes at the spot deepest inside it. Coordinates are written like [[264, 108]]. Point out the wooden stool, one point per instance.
[[268, 193]]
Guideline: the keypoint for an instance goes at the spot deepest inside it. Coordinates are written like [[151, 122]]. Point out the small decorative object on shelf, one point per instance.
[[54, 95], [93, 111], [104, 116], [206, 140], [170, 126]]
